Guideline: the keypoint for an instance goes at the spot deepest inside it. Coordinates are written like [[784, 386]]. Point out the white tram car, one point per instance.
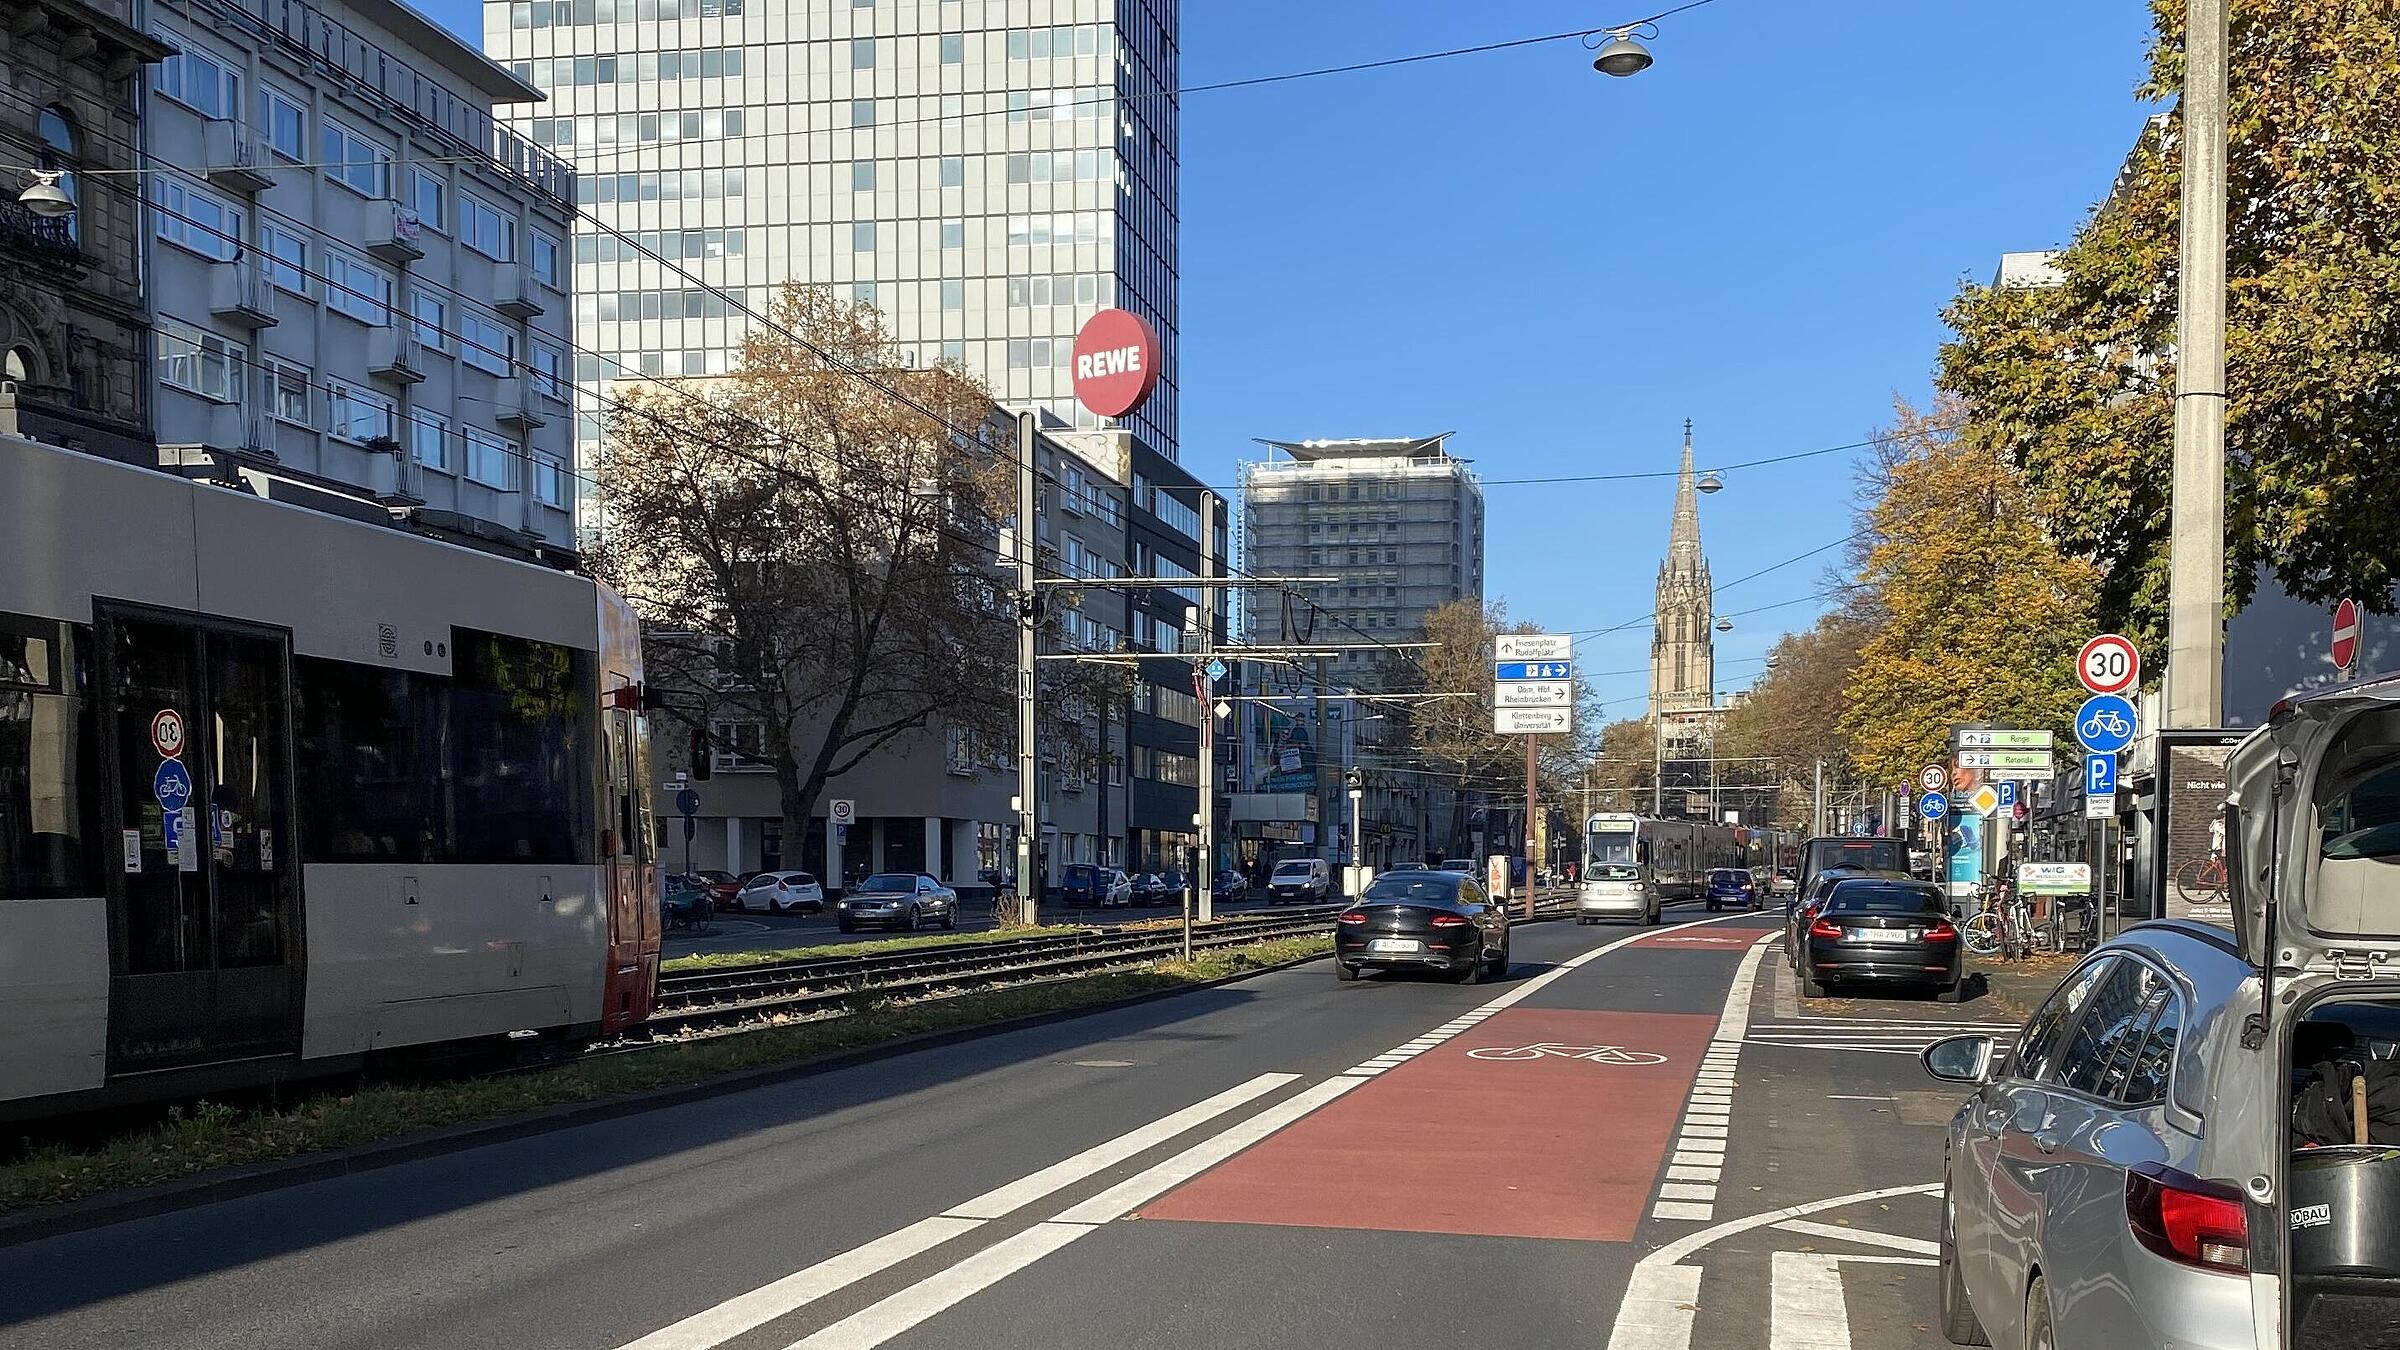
[[280, 789]]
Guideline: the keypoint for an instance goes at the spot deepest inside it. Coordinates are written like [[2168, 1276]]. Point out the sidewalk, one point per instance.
[[2016, 988]]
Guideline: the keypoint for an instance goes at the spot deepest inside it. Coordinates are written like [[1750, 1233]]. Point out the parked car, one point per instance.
[[1231, 885], [1786, 881], [1731, 886], [1465, 867], [1149, 888], [1876, 931], [898, 900], [1173, 886], [1094, 884], [1300, 879], [2170, 1155], [690, 909], [783, 893], [1803, 908], [1438, 921]]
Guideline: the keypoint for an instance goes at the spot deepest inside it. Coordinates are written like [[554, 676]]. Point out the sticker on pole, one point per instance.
[[166, 733], [2109, 664], [1116, 362], [2345, 635]]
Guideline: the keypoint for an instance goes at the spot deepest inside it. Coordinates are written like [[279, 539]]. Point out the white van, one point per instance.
[[1300, 879]]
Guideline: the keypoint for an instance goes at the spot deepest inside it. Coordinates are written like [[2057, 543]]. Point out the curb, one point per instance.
[[256, 1178]]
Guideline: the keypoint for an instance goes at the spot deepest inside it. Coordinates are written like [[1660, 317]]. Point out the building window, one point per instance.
[[429, 440], [484, 228], [549, 481], [954, 234], [431, 315], [199, 221], [862, 112], [544, 257], [862, 175], [954, 49], [284, 122], [862, 236], [59, 155], [490, 459], [359, 289], [287, 392], [429, 196], [954, 171], [201, 82], [199, 362], [286, 257], [863, 292], [354, 161], [354, 414], [954, 294], [862, 53], [486, 345], [549, 369]]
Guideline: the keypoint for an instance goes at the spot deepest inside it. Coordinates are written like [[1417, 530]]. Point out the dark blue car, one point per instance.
[[1731, 886]]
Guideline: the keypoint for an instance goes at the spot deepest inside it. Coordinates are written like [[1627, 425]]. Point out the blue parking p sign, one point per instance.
[[2008, 793], [2099, 775]]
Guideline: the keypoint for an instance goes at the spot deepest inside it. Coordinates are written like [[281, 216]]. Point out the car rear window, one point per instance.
[[1886, 900], [762, 881], [1413, 886]]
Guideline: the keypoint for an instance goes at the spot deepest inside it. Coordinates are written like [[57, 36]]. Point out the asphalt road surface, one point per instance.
[[1637, 1141]]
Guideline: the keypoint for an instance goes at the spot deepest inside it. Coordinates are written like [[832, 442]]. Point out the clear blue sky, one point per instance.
[[1758, 233]]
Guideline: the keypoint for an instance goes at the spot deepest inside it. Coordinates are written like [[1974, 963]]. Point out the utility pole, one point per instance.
[[2196, 550], [1533, 855], [1029, 617], [1816, 804], [1205, 875], [1658, 766]]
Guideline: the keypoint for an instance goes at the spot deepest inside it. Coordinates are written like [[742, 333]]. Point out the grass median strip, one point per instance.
[[208, 1136], [681, 965]]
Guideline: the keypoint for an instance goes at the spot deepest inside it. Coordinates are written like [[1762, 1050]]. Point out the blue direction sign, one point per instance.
[[172, 785], [2099, 775], [2008, 793], [2105, 723], [1933, 806], [1533, 670], [688, 802]]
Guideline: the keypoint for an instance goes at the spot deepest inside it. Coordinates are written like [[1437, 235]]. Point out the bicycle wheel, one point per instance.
[[1981, 933]]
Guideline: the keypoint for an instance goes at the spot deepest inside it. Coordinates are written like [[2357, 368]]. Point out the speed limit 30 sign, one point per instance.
[[2109, 664]]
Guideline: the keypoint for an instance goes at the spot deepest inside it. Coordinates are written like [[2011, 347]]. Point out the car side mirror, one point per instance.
[[1961, 1059]]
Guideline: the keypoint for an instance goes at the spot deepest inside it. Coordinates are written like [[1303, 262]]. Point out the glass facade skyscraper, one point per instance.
[[987, 172]]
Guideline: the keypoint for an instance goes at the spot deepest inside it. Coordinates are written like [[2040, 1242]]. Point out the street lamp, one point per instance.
[[44, 197], [1621, 55], [1724, 625], [1709, 482]]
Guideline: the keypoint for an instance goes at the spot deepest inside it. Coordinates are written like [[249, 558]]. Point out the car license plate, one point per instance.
[[1882, 937], [1395, 945]]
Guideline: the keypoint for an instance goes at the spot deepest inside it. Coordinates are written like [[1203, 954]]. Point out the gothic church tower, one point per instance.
[[1683, 663]]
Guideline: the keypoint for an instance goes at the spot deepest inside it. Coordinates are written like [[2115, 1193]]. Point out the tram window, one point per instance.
[[45, 734], [523, 738], [373, 778]]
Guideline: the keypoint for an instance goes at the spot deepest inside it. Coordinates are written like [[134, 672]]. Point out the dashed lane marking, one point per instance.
[[1708, 1111]]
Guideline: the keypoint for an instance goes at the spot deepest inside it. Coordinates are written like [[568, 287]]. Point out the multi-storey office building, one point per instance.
[[986, 180], [358, 280]]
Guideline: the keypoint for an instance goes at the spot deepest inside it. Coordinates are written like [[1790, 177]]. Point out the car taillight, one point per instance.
[[2187, 1220], [1351, 916], [1448, 921], [1826, 929], [1945, 931]]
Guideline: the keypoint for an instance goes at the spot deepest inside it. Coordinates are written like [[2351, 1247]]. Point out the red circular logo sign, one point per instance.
[[1116, 363], [2345, 633], [2108, 664]]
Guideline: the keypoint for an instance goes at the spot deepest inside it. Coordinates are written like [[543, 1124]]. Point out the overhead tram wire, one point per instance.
[[1751, 576], [1177, 94]]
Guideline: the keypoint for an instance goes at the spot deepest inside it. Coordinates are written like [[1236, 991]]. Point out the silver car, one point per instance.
[[1616, 891], [2126, 1176], [902, 900]]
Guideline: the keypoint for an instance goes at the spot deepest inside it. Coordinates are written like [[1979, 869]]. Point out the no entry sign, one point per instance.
[[2345, 634], [1116, 363]]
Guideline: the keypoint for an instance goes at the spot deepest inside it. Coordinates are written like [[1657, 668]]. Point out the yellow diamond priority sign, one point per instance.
[[1986, 800]]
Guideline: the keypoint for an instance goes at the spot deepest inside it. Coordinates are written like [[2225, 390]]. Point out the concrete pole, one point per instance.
[[1207, 870], [1816, 804], [1658, 765], [1029, 886], [2196, 554], [1533, 854]]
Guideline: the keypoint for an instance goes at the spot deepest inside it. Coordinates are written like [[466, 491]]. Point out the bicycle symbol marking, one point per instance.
[[2107, 723], [1590, 1054]]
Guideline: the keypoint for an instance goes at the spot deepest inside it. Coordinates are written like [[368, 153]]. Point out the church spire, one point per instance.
[[1683, 542]]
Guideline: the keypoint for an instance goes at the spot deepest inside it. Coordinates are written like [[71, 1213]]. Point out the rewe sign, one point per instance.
[[1116, 363]]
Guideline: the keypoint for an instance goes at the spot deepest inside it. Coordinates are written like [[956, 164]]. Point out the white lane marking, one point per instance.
[[1680, 1209], [1152, 1182], [801, 1288], [1708, 1110], [1686, 1190], [1847, 1097], [1024, 1191], [1701, 1145], [1656, 1313], [1865, 1237], [1680, 1173], [879, 1322], [1805, 1306], [743, 1312]]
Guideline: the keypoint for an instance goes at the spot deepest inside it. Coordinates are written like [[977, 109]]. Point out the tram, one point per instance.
[[1670, 858], [282, 788]]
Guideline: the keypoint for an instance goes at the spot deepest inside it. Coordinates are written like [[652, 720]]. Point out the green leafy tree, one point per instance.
[[1977, 613], [2076, 383], [1793, 718]]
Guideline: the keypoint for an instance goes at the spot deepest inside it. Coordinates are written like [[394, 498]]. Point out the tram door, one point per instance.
[[204, 932]]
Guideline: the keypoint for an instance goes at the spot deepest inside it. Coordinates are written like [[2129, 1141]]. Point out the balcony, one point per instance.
[[48, 238], [393, 233], [240, 294], [514, 291], [237, 162], [516, 404], [393, 353], [237, 429]]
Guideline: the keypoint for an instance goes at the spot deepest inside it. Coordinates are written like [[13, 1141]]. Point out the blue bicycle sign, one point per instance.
[[2105, 724]]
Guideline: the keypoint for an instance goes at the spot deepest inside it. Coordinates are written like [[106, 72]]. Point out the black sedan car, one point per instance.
[[1422, 921], [1882, 932], [1803, 906]]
